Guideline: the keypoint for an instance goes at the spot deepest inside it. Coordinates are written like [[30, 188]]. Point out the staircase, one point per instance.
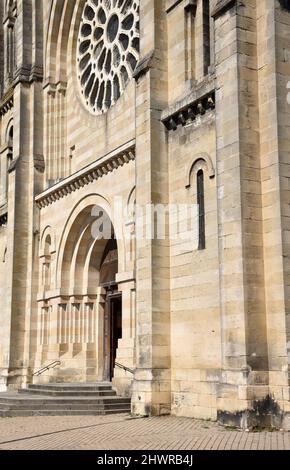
[[63, 400]]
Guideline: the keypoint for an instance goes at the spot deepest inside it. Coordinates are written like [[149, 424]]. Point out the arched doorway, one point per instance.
[[113, 306], [85, 321]]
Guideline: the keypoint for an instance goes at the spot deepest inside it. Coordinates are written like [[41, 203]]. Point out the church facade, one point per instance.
[[116, 113]]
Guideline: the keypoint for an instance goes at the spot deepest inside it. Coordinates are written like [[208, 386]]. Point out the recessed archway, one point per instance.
[[88, 311]]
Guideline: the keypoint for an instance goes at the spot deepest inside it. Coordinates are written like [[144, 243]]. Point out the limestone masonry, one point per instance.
[[148, 104]]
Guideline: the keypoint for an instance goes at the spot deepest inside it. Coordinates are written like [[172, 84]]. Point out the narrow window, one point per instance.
[[201, 212], [10, 41], [10, 139], [9, 158], [190, 13], [206, 36], [47, 264]]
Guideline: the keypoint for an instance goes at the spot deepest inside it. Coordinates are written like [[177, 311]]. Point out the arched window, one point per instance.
[[9, 25], [9, 158], [6, 156], [10, 143], [47, 263], [201, 210], [199, 171], [206, 36]]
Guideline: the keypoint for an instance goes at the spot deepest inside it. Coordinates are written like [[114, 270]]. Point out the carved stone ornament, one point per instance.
[[108, 51]]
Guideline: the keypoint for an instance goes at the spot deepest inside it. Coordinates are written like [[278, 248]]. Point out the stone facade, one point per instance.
[[152, 102]]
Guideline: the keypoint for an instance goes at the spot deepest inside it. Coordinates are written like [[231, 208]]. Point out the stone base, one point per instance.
[[122, 383], [3, 379], [17, 378], [151, 392], [123, 380], [261, 414]]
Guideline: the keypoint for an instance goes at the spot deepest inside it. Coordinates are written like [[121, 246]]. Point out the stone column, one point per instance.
[[126, 346], [61, 130], [18, 234], [244, 379], [151, 389], [9, 48], [274, 77], [25, 179], [50, 132], [100, 333], [6, 318]]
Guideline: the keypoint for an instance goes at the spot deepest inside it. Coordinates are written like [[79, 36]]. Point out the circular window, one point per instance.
[[108, 50]]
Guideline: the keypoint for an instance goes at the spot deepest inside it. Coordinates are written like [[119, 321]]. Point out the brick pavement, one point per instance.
[[121, 432]]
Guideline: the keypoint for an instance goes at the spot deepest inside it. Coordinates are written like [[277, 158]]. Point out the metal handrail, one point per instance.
[[127, 369], [44, 369]]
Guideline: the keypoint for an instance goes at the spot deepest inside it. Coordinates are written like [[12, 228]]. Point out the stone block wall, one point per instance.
[[205, 324]]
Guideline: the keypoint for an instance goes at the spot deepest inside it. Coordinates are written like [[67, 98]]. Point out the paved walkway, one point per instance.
[[121, 432]]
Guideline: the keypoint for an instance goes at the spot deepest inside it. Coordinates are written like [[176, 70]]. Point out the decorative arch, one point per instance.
[[58, 35], [131, 202], [77, 262], [200, 161], [52, 39], [76, 241], [9, 128], [70, 21], [47, 257], [47, 232], [92, 270]]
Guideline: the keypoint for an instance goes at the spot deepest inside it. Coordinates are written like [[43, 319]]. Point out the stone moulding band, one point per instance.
[[98, 169]]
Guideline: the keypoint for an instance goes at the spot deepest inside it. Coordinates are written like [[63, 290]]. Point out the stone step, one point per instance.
[[63, 399], [106, 386], [67, 393], [65, 406], [42, 400], [57, 412]]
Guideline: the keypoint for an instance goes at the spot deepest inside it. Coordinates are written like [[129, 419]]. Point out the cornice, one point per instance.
[[200, 100], [96, 170]]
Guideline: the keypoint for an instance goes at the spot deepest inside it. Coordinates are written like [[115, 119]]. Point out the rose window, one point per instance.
[[108, 50]]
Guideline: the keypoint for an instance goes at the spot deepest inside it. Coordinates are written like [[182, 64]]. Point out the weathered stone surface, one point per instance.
[[206, 332]]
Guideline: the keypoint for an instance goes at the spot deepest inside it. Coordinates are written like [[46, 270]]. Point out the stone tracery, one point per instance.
[[108, 50]]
